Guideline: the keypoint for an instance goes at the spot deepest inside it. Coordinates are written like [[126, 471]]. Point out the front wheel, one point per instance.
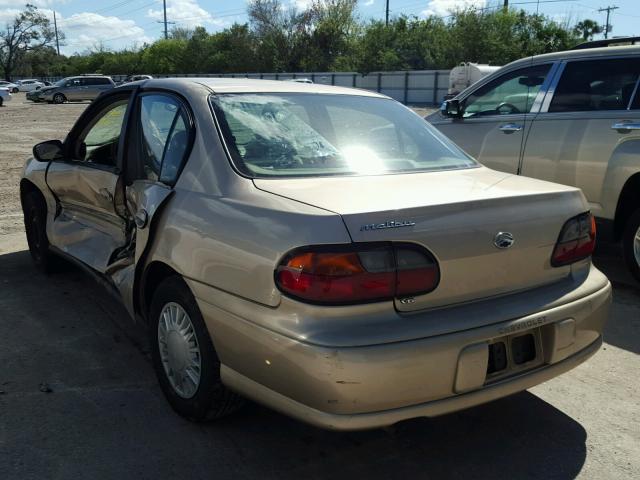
[[631, 244], [184, 358], [58, 98], [14, 90]]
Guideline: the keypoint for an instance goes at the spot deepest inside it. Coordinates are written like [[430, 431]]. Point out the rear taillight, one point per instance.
[[577, 240], [357, 273]]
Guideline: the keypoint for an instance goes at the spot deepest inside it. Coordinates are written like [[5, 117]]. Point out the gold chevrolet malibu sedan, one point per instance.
[[320, 250]]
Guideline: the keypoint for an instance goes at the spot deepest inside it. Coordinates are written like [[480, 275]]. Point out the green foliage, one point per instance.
[[326, 36]]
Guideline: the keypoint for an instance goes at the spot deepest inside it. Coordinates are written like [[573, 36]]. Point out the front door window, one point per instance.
[[511, 93]]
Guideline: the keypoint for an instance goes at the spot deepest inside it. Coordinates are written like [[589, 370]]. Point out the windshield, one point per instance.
[[317, 134], [61, 83]]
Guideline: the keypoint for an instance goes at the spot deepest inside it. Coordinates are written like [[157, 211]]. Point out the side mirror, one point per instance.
[[451, 108], [48, 151]]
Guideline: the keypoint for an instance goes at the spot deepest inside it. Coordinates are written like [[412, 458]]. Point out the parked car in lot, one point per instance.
[[569, 117], [135, 78], [5, 95], [318, 249], [74, 89], [12, 87], [29, 85]]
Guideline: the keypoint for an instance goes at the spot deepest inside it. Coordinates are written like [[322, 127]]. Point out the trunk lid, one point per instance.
[[456, 215]]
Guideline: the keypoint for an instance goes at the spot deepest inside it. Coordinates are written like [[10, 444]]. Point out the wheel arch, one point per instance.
[[628, 202], [150, 278], [26, 187]]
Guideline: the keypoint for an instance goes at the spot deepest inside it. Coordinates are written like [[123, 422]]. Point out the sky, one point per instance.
[[116, 24]]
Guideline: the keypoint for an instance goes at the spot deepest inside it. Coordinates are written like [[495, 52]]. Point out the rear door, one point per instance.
[[163, 135], [496, 115], [91, 224], [588, 128]]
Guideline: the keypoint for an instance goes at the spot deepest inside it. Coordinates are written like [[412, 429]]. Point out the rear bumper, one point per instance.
[[350, 388], [364, 421]]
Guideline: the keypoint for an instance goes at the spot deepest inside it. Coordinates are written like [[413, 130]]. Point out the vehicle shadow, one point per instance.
[[517, 437]]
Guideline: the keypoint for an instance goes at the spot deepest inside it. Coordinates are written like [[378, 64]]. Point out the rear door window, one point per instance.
[[595, 85], [163, 137]]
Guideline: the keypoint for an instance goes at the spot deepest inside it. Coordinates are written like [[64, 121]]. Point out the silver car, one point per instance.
[[568, 117], [320, 250], [75, 89]]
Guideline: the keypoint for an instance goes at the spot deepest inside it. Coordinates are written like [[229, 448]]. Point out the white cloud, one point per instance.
[[185, 13], [445, 7], [85, 30], [368, 3]]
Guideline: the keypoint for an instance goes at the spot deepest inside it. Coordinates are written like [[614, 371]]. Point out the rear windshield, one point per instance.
[[286, 135]]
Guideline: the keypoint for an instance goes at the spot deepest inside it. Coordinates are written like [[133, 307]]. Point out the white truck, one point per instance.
[[466, 74]]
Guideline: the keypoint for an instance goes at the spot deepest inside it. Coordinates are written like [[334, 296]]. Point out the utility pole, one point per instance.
[[386, 16], [606, 27], [164, 7], [506, 5], [55, 27]]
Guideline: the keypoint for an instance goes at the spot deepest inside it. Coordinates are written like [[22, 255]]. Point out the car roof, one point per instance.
[[623, 50], [248, 85]]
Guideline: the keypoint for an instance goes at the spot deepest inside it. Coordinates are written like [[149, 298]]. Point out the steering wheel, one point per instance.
[[512, 108]]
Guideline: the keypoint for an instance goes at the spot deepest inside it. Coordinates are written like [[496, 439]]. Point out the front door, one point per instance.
[[90, 224], [496, 117]]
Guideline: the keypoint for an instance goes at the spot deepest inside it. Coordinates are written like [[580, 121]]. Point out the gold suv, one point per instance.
[[569, 117]]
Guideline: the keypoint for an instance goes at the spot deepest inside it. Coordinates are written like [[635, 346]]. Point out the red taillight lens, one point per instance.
[[577, 240], [357, 274]]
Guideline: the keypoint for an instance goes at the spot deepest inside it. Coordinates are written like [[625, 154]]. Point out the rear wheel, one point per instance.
[[1, 101], [631, 244], [35, 221], [184, 357], [59, 98]]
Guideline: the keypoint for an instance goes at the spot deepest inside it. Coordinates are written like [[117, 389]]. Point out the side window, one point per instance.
[[99, 144], [596, 85], [163, 137], [513, 92]]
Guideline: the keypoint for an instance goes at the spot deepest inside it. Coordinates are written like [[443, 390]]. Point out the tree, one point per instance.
[[587, 29], [30, 30]]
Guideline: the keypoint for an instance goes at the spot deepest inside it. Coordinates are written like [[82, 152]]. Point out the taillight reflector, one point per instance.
[[577, 240], [357, 273]]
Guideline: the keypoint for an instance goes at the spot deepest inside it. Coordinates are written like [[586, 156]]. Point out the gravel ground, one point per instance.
[[78, 397]]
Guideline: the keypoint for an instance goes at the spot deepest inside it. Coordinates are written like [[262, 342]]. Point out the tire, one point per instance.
[[209, 399], [14, 90], [631, 244], [59, 98], [1, 101], [35, 218]]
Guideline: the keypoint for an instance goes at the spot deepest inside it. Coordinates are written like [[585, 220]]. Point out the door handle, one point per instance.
[[510, 128], [625, 126], [141, 218]]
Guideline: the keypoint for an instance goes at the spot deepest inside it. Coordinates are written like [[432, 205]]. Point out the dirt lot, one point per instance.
[[78, 398]]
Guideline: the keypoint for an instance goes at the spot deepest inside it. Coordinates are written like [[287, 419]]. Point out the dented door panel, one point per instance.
[[86, 225]]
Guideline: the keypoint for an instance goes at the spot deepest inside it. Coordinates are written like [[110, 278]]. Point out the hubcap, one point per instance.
[[179, 350], [636, 246]]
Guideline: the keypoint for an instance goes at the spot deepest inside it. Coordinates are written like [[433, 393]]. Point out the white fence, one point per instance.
[[415, 87]]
